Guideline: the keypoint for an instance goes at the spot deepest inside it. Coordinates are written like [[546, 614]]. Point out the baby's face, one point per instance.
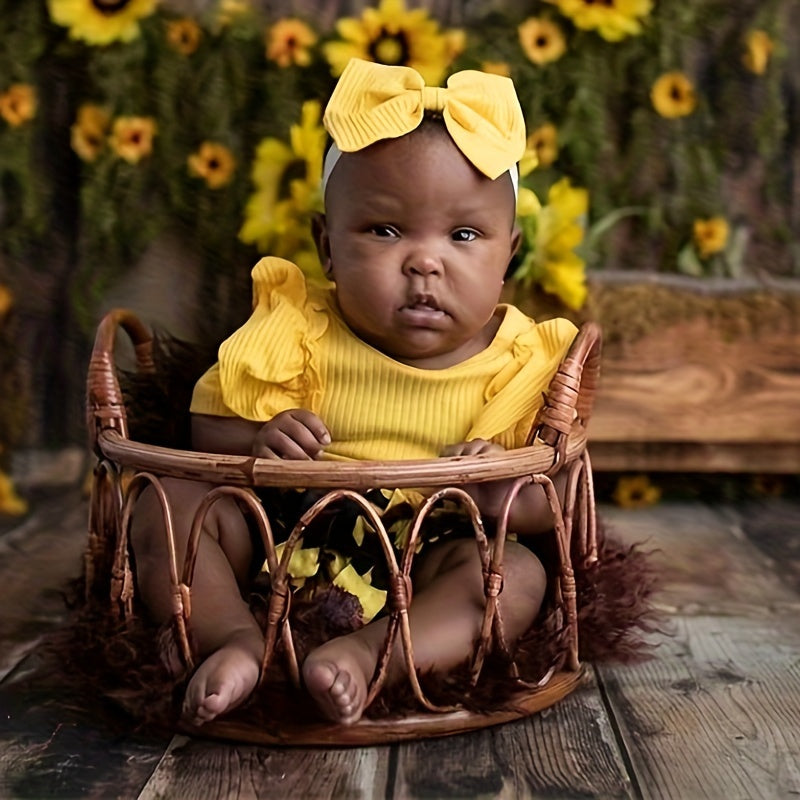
[[417, 242]]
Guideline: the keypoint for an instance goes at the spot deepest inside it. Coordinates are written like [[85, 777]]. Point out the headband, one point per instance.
[[480, 111], [334, 154]]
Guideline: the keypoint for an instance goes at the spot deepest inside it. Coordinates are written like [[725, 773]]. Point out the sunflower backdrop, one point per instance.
[[663, 137]]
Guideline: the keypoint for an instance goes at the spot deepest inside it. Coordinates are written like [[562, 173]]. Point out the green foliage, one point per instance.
[[649, 177]]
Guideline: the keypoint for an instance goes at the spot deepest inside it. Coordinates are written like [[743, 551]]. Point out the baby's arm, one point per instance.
[[530, 513], [296, 434]]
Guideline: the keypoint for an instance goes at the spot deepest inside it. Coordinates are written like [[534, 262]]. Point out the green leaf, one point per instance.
[[688, 263], [736, 250], [605, 223]]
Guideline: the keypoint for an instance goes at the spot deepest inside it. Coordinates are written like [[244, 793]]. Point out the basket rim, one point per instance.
[[240, 470]]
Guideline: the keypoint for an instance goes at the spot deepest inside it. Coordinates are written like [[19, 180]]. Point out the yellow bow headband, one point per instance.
[[481, 112]]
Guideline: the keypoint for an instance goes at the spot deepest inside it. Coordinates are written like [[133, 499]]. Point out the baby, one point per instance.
[[406, 355]]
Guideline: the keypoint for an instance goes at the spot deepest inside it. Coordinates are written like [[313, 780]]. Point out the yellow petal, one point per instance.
[[372, 600], [303, 563]]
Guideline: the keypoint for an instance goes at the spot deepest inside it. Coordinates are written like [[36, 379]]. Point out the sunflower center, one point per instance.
[[604, 3], [213, 164], [542, 41], [676, 94], [390, 48], [110, 6]]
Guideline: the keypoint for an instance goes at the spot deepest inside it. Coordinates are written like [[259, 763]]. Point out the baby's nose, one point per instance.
[[422, 264]]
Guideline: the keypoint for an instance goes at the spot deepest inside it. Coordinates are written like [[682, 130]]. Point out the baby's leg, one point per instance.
[[224, 631], [445, 617]]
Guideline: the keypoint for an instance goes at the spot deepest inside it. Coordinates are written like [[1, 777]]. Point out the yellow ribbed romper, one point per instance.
[[295, 351]]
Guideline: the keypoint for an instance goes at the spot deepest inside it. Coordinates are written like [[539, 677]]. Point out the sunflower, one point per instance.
[[18, 104], [228, 11], [10, 502], [551, 235], [673, 95], [214, 163], [497, 68], [6, 300], [132, 137], [455, 42], [542, 40], [612, 19], [758, 49], [101, 21], [88, 132], [289, 42], [287, 177], [710, 235], [636, 491], [184, 35], [541, 149], [390, 34]]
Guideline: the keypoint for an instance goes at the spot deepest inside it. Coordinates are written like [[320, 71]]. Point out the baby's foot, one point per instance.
[[336, 675], [224, 680]]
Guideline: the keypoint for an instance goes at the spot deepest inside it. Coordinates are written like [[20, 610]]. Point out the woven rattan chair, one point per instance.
[[557, 443]]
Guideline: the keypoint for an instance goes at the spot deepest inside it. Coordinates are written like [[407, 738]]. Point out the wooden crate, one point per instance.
[[697, 376]]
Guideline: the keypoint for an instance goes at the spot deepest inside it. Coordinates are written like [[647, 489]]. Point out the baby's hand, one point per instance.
[[296, 435], [488, 495], [472, 448]]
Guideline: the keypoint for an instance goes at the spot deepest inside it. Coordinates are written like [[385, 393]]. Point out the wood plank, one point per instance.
[[773, 526], [50, 745], [762, 457], [202, 769], [699, 381], [706, 564], [567, 751], [39, 555], [49, 748], [714, 714], [713, 387]]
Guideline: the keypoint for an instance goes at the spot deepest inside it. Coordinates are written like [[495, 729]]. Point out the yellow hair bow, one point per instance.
[[481, 112]]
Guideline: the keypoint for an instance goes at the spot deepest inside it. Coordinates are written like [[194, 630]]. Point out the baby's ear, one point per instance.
[[319, 230]]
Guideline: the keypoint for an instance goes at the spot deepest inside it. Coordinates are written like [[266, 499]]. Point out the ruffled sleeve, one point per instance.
[[515, 394], [268, 365]]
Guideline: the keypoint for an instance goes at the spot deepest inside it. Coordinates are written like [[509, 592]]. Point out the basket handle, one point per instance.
[[105, 408], [571, 392]]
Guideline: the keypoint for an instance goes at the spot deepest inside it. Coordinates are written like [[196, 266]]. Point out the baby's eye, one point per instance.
[[464, 235], [383, 230]]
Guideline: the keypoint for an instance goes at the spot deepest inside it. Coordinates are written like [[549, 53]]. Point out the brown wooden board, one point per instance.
[[566, 751], [696, 397], [51, 744], [754, 457], [689, 384], [717, 713], [200, 769], [39, 555], [773, 526]]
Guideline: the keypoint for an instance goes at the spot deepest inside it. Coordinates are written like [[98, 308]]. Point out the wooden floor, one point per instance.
[[716, 714]]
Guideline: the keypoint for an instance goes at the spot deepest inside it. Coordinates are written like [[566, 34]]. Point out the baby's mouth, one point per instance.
[[423, 310], [423, 302]]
